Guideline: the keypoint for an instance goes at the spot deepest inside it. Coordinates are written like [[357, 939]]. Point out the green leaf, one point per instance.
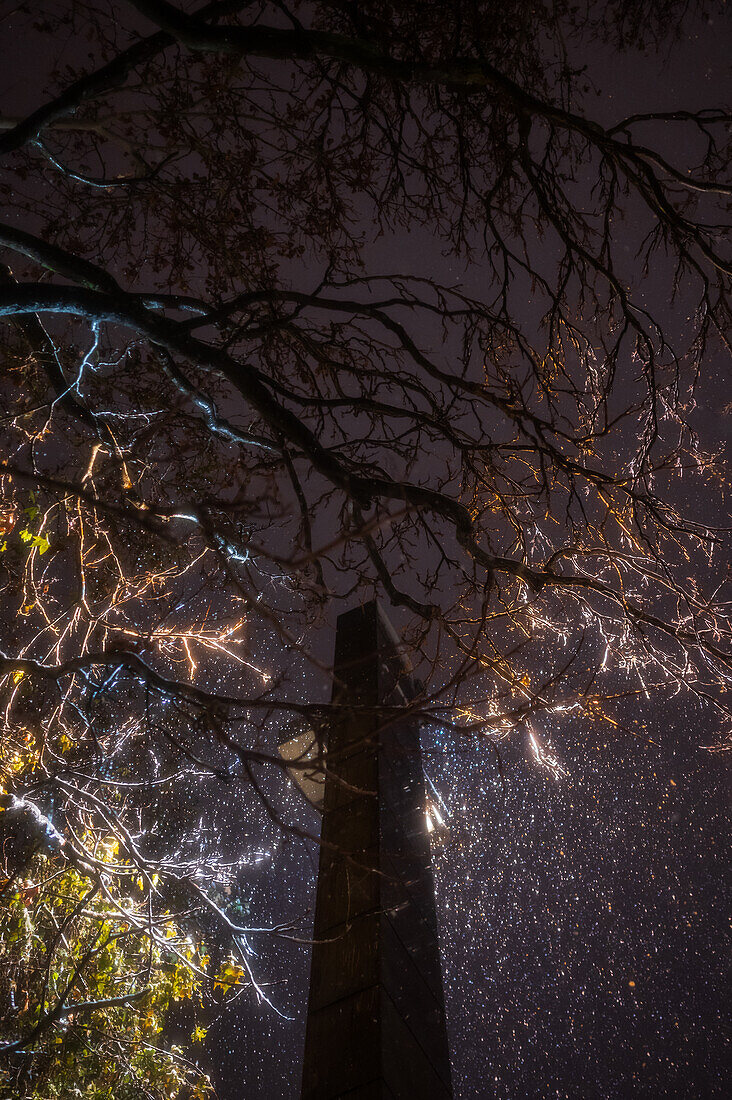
[[39, 542]]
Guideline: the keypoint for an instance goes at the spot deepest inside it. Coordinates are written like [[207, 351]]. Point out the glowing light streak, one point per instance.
[[545, 759]]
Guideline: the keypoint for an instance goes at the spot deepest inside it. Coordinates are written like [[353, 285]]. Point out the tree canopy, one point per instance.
[[307, 302]]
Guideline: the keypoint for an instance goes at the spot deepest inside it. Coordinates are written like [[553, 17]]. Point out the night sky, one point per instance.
[[584, 907], [584, 916]]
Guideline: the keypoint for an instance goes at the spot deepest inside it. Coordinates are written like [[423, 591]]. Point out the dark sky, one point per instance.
[[582, 923], [584, 918], [582, 915]]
